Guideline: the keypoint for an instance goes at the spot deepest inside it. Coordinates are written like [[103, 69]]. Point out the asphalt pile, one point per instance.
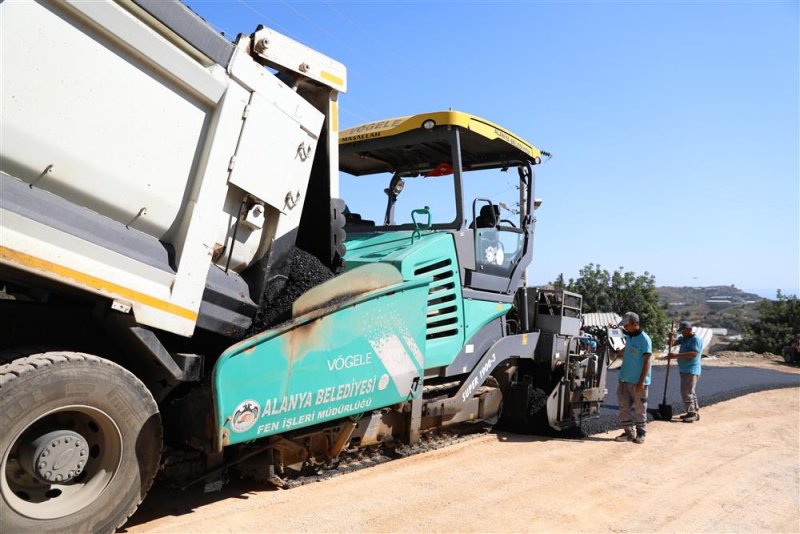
[[305, 272]]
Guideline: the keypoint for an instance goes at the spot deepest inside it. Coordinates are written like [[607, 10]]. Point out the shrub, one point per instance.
[[622, 292], [778, 322]]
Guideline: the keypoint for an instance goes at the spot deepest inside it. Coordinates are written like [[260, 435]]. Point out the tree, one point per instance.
[[778, 322], [621, 292]]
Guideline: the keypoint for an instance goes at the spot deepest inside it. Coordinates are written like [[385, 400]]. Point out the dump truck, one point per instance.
[[185, 295]]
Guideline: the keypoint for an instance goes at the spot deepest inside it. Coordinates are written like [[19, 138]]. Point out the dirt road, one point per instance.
[[737, 470]]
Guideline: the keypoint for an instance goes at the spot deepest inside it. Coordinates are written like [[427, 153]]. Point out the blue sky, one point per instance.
[[674, 126]]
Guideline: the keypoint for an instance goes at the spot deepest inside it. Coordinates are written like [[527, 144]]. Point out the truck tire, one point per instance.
[[9, 355], [79, 446]]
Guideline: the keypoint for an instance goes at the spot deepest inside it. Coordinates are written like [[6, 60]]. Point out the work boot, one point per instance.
[[691, 417], [639, 439], [276, 481], [625, 436]]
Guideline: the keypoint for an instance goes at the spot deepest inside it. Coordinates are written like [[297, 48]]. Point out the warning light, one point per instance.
[[442, 169]]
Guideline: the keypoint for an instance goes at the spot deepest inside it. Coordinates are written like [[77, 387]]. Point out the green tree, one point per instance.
[[620, 292], [777, 324], [559, 281]]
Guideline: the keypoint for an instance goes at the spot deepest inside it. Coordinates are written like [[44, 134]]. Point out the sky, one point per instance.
[[674, 126]]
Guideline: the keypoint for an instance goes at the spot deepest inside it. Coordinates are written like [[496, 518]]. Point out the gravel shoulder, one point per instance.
[[737, 470], [732, 359]]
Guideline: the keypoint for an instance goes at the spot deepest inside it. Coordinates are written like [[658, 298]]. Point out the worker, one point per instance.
[[587, 342], [688, 356], [791, 353], [634, 380]]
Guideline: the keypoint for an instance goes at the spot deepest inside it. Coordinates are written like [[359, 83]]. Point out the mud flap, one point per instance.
[[357, 354], [555, 403]]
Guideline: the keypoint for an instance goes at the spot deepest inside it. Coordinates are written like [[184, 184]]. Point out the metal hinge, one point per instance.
[[304, 151], [121, 305], [232, 163], [246, 111]]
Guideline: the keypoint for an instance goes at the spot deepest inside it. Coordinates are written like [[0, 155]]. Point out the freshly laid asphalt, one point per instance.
[[716, 384]]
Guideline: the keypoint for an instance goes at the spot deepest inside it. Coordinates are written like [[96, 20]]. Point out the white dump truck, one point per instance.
[[153, 176]]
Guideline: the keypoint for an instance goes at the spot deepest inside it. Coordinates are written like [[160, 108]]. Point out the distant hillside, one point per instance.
[[713, 307], [699, 295]]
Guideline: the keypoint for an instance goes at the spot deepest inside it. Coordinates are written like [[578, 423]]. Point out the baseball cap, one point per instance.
[[684, 325], [629, 318]]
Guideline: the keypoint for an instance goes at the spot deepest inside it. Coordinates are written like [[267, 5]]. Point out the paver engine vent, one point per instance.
[[443, 313]]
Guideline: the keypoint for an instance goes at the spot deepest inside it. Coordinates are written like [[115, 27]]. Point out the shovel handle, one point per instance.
[[669, 349]]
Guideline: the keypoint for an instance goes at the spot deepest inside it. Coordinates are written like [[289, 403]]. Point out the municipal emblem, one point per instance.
[[245, 415]]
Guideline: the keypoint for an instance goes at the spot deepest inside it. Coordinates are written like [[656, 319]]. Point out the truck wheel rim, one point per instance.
[[30, 471]]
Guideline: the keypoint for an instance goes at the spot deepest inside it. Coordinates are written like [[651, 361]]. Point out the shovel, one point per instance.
[[664, 409]]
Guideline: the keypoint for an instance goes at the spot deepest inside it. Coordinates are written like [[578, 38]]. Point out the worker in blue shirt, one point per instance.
[[634, 380], [587, 341], [688, 356]]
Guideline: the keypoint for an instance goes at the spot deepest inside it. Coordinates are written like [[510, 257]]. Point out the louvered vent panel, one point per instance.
[[443, 313]]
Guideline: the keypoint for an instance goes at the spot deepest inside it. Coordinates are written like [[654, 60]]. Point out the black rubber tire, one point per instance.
[[526, 415], [35, 387], [537, 412], [9, 355]]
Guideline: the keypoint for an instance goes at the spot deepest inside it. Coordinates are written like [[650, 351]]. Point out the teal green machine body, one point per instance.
[[356, 356]]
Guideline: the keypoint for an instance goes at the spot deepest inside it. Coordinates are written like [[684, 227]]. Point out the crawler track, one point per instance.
[[351, 462]]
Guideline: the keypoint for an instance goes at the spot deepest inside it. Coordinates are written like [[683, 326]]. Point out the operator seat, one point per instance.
[[485, 219], [355, 218]]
